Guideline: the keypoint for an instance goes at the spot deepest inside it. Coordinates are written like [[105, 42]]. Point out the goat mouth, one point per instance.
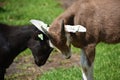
[[68, 56]]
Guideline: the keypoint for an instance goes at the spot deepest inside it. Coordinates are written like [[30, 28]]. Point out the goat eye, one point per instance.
[[40, 36]]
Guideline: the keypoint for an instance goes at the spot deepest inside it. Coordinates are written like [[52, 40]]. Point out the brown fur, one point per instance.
[[101, 19]]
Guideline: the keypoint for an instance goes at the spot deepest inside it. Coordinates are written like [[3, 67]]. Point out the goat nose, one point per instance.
[[39, 63]]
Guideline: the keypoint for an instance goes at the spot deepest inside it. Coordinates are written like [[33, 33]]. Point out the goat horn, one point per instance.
[[62, 28]]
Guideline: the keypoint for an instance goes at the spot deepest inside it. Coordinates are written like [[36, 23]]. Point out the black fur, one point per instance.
[[15, 39]]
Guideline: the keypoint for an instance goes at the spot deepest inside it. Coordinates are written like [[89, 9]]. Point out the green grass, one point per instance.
[[107, 62], [19, 12], [107, 66], [72, 73]]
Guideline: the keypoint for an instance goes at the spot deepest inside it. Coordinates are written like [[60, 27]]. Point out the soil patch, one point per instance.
[[24, 68]]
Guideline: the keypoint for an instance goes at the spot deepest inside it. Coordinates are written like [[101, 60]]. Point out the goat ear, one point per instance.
[[75, 28], [38, 24], [41, 26]]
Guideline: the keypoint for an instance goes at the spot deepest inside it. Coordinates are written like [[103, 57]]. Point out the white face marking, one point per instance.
[[40, 36], [88, 75]]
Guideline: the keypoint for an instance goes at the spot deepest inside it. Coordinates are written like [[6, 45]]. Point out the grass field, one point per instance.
[[107, 66], [19, 12]]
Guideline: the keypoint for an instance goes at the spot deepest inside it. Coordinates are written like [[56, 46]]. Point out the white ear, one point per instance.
[[75, 28], [38, 24]]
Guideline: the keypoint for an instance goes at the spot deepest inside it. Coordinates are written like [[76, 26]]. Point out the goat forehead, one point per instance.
[[60, 40]]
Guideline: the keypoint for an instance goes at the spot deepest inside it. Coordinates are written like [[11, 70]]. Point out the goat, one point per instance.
[[101, 18], [15, 39]]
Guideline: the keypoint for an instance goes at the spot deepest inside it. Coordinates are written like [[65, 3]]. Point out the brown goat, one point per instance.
[[102, 21]]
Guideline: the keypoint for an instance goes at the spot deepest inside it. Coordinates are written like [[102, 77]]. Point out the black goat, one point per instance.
[[14, 40]]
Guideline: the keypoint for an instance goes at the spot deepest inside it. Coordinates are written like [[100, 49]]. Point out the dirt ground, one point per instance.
[[24, 68]]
